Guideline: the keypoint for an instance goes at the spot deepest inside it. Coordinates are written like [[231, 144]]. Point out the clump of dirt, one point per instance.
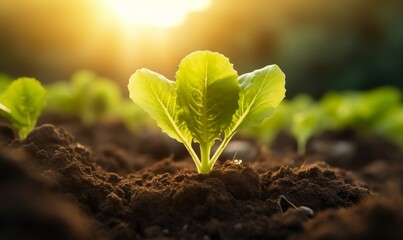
[[168, 199], [372, 219], [317, 186], [31, 209]]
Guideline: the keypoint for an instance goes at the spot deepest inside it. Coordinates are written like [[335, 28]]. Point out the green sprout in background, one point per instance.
[[86, 96], [21, 102], [301, 117], [376, 111], [362, 111]]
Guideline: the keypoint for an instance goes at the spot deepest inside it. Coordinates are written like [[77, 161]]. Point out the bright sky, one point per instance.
[[156, 13]]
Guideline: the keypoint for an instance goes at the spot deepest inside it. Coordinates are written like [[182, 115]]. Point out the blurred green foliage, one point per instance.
[[377, 111], [362, 111], [94, 99], [86, 96]]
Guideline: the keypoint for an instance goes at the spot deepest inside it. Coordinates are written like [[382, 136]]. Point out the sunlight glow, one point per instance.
[[156, 13]]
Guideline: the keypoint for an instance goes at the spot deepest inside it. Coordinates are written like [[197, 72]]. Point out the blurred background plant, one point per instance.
[[377, 111], [94, 99]]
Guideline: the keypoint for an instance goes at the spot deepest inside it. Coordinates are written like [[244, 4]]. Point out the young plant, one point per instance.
[[208, 101], [361, 111], [86, 96], [305, 124], [22, 103]]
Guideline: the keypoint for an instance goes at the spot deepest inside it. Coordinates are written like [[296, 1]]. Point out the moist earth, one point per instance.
[[72, 181]]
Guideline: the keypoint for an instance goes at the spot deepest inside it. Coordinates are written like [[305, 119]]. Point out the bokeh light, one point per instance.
[[321, 45], [156, 13]]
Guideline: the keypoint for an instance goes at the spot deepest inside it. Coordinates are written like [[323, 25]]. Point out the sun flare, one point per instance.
[[156, 13]]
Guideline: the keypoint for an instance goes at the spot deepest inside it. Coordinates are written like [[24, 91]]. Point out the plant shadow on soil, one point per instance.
[[106, 183]]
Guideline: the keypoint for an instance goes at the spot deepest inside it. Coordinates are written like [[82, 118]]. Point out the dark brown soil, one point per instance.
[[106, 183]]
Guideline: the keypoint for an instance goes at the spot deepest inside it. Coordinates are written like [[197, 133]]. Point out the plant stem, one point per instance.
[[194, 156], [205, 158], [301, 141], [220, 149]]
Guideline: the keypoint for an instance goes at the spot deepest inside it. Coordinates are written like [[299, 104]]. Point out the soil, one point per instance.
[[72, 181]]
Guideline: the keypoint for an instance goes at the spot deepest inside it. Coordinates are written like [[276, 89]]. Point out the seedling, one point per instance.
[[22, 103], [304, 124], [208, 102], [86, 96], [306, 120], [362, 111], [300, 116]]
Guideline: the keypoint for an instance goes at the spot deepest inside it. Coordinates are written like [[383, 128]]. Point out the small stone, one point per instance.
[[308, 211]]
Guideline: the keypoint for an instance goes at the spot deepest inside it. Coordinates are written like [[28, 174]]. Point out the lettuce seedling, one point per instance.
[[304, 124], [360, 110], [208, 102], [86, 96], [22, 103]]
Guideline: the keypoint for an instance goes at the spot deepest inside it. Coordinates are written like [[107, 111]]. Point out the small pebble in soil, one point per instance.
[[308, 211], [240, 148], [285, 204]]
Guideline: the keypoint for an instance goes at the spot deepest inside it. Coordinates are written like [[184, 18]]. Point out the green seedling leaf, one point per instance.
[[304, 124], [208, 93], [261, 91], [22, 103], [156, 95], [208, 102]]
